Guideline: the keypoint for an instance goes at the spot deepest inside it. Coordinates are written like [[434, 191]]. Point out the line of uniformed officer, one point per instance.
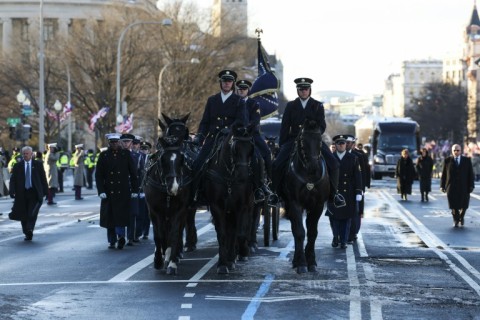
[[116, 180], [350, 187]]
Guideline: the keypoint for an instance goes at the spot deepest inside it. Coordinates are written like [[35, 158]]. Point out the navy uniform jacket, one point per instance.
[[349, 186], [294, 117], [116, 176], [253, 115], [458, 181], [219, 115]]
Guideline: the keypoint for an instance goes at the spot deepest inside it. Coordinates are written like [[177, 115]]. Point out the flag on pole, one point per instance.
[[266, 85], [100, 114], [126, 126]]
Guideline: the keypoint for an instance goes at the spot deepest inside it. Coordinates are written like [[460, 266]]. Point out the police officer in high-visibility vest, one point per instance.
[[90, 165], [16, 156], [62, 165]]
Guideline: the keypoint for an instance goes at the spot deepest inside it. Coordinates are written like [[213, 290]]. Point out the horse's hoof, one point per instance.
[[231, 266], [171, 271], [242, 258], [312, 268], [190, 248], [222, 270], [301, 269], [180, 255], [158, 263], [252, 249]]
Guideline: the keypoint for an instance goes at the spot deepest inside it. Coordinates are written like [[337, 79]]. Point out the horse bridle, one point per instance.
[[303, 156], [232, 143]]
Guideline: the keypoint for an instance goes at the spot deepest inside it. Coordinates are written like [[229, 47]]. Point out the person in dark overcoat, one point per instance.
[[350, 186], [296, 112], [424, 167], [362, 160], [28, 193], [116, 180], [458, 181], [405, 173], [221, 111], [262, 169]]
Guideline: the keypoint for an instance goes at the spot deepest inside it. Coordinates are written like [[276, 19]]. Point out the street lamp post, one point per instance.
[[41, 86], [164, 22], [58, 107], [160, 77]]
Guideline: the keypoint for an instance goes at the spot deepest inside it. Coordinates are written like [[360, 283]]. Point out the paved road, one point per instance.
[[408, 263]]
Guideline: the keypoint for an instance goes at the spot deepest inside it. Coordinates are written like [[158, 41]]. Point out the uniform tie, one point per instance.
[[28, 180], [457, 160]]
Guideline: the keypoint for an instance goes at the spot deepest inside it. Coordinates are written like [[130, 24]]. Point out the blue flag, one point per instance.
[[266, 85]]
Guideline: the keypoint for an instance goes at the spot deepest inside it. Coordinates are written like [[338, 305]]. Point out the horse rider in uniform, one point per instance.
[[262, 151], [116, 181], [293, 118], [221, 111]]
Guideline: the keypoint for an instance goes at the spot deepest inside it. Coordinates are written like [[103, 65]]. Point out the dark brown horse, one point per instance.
[[229, 193], [306, 187], [168, 190]]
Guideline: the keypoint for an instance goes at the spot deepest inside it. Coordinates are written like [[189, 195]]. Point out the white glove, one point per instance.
[[141, 195], [134, 195], [102, 196], [358, 197]]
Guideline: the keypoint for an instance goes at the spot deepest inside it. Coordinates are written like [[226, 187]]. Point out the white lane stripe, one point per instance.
[[375, 304], [129, 272], [361, 246], [204, 269], [132, 270], [42, 230], [433, 242], [189, 295], [355, 301]]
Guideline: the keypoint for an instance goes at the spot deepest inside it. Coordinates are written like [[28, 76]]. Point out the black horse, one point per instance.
[[229, 193], [306, 187], [168, 190], [177, 127]]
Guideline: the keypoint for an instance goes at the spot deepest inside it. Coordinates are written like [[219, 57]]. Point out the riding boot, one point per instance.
[[335, 197], [258, 175]]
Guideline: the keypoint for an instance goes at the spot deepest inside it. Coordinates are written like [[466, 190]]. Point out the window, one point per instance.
[[48, 30], [24, 30]]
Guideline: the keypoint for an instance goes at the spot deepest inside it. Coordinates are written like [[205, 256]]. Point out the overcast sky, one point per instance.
[[353, 45]]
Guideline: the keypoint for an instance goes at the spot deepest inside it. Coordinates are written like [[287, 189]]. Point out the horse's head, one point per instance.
[[171, 162], [239, 146], [309, 145], [272, 145], [175, 127]]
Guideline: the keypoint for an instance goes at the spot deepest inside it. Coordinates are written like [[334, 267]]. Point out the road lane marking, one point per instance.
[[137, 267], [434, 243], [355, 300]]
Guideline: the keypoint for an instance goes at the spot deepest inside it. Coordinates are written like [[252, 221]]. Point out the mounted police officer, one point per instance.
[[293, 118], [221, 111], [262, 151], [116, 181]]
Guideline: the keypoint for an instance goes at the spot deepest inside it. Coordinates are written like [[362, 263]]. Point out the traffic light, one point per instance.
[[12, 133], [27, 132]]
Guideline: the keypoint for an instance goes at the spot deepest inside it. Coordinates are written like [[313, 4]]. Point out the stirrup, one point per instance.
[[258, 196], [339, 201]]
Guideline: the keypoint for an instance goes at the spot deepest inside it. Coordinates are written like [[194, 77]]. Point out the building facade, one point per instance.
[[402, 88], [230, 17], [471, 58]]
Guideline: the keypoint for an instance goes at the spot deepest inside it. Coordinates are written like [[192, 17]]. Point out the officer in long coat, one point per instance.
[[458, 182], [221, 111], [362, 160], [293, 118], [79, 171], [262, 151], [116, 181], [350, 187], [50, 166]]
